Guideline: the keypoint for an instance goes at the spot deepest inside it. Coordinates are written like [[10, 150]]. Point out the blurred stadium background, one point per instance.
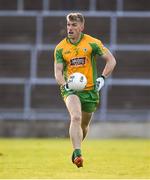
[[30, 102]]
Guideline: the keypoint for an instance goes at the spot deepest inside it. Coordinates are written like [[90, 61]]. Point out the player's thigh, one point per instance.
[[73, 105], [86, 118]]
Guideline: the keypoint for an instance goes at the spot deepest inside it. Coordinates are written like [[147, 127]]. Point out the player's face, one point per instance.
[[74, 29]]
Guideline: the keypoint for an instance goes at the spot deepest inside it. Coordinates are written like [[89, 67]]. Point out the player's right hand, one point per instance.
[[66, 87]]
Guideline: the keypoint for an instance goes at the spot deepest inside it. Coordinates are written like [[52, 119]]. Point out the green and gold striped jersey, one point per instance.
[[80, 57]]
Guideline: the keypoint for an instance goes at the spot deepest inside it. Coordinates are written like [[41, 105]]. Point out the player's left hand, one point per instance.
[[100, 82]]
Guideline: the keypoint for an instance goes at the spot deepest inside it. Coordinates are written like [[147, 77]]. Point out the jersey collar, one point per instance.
[[81, 36]]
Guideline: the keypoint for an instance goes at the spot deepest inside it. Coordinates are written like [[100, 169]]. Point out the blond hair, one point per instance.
[[75, 17]]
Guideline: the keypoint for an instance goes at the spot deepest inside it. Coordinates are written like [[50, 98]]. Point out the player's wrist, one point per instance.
[[103, 77]]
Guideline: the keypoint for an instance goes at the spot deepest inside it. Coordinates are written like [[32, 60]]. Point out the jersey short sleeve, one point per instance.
[[58, 55], [98, 47]]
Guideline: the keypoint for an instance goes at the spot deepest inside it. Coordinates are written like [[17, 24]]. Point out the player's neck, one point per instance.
[[76, 40]]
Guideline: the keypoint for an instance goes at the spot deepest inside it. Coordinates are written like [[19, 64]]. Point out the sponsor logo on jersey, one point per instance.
[[77, 61]]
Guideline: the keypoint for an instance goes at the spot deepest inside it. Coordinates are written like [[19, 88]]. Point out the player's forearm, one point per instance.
[[59, 74], [109, 67], [110, 64], [60, 78]]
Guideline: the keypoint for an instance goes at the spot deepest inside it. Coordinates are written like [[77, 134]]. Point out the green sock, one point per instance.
[[77, 152]]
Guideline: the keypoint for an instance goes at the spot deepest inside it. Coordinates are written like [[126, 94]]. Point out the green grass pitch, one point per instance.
[[51, 158]]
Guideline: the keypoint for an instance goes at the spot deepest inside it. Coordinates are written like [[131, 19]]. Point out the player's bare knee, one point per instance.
[[76, 118]]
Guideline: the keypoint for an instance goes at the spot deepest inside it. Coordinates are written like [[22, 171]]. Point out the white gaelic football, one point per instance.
[[77, 81]]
